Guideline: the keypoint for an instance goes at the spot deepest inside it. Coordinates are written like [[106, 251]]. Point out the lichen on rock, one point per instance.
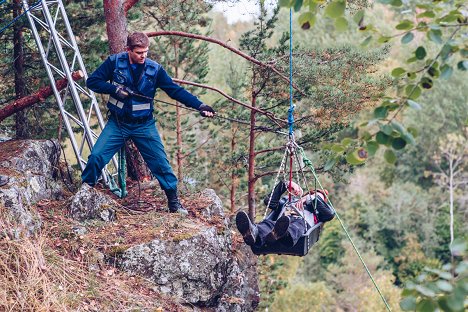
[[31, 170], [89, 203]]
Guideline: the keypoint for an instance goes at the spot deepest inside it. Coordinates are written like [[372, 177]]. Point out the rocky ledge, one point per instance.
[[202, 267]]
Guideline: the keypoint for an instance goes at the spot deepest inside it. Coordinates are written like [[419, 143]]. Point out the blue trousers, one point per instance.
[[147, 140]]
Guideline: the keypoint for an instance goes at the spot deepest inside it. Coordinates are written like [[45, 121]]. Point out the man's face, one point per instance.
[[137, 55]]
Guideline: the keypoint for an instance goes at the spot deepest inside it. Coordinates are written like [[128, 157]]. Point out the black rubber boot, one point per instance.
[[173, 202], [279, 231], [247, 229]]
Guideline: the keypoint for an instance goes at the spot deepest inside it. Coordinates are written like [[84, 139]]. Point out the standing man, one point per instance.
[[131, 80]]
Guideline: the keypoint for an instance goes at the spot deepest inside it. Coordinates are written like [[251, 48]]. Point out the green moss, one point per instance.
[[117, 250], [181, 237]]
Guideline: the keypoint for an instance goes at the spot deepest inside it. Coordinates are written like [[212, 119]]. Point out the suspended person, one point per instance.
[[288, 228], [131, 80]]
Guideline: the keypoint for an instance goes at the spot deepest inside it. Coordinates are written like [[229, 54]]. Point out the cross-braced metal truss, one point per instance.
[[61, 57]]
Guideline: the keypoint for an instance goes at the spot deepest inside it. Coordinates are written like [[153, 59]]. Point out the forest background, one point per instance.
[[398, 213]]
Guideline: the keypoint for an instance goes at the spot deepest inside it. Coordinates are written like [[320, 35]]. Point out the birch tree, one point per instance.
[[452, 163]]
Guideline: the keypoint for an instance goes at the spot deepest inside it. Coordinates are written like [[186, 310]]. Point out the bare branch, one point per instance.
[[264, 174], [128, 4], [224, 45], [274, 149], [268, 114]]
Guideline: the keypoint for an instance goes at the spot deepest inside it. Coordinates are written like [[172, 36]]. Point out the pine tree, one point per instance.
[[332, 86], [231, 164]]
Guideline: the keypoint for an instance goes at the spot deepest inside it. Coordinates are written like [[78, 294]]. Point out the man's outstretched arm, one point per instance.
[[176, 92], [99, 79]]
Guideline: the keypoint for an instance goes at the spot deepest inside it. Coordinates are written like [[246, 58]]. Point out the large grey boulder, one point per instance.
[[215, 208], [31, 169], [241, 293], [201, 270], [193, 269], [89, 203]]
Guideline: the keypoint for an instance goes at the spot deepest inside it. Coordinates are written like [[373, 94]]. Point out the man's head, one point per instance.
[[137, 47]]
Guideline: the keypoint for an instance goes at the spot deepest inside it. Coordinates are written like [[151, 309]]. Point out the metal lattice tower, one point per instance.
[[61, 57]]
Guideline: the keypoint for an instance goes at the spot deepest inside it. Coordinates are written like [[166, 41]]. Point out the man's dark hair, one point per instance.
[[137, 39]]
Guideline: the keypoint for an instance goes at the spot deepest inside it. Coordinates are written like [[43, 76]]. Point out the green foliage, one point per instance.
[[275, 274], [437, 55], [411, 260], [304, 297], [442, 230], [442, 289], [330, 248], [444, 113], [332, 90], [385, 213], [354, 290]]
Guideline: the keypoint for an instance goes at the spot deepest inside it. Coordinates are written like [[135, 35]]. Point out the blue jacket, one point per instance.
[[117, 69]]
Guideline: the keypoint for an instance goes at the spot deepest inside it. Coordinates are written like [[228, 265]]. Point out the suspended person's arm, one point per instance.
[[325, 212], [176, 92], [276, 200]]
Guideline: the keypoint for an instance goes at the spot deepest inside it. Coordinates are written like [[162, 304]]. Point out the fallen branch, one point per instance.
[[224, 45], [39, 96]]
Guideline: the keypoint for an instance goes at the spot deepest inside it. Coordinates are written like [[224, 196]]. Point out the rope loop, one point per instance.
[[291, 145]]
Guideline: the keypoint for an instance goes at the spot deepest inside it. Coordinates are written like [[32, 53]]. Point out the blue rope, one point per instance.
[[1, 2], [19, 16], [291, 106]]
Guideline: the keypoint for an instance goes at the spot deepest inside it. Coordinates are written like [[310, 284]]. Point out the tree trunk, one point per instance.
[[450, 159], [136, 166], [116, 25], [251, 176], [451, 197], [21, 118], [234, 178], [178, 121]]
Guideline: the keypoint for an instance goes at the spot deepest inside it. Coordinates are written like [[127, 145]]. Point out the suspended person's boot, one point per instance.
[[173, 202], [279, 231], [247, 229]]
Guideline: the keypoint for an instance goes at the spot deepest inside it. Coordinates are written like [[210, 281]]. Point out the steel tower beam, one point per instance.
[[61, 56]]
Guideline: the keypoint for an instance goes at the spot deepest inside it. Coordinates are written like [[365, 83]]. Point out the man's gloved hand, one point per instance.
[[206, 110], [122, 93]]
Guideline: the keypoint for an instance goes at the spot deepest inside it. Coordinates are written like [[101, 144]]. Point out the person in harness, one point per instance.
[[289, 227], [131, 80]]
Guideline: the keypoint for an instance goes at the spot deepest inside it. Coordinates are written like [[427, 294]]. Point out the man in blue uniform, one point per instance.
[[131, 80]]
